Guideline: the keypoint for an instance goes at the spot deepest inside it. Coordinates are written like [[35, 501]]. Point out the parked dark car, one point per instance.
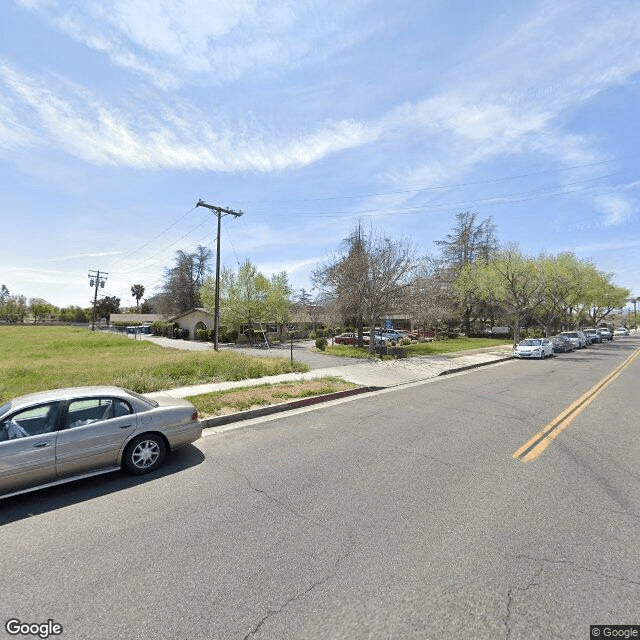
[[562, 344], [606, 333], [594, 334]]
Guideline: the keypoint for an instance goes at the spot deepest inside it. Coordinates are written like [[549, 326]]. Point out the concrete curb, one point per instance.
[[218, 421], [474, 366]]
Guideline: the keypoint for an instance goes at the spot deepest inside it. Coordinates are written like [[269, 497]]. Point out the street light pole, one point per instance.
[[219, 211]]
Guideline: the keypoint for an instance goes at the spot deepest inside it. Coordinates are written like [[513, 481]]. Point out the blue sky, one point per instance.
[[116, 116]]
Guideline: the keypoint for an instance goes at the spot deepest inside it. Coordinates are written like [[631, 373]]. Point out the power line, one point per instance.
[[446, 186], [509, 198]]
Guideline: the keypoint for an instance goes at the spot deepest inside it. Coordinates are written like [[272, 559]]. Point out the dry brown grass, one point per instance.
[[244, 398]]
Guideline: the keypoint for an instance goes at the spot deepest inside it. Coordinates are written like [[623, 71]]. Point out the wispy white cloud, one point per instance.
[[215, 41], [14, 134], [30, 274], [617, 209], [91, 130], [513, 98], [508, 100], [607, 247], [100, 254]]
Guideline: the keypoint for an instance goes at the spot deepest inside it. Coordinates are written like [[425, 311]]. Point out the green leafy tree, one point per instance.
[[562, 287], [601, 296], [75, 314], [41, 309], [106, 306], [510, 278], [278, 300], [13, 308], [248, 298]]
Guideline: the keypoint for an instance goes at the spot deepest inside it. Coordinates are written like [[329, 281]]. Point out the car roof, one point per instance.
[[66, 393]]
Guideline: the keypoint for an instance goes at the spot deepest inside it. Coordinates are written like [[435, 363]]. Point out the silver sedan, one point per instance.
[[52, 437]]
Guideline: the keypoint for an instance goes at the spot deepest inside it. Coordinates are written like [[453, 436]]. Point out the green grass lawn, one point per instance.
[[449, 346], [35, 358], [421, 348]]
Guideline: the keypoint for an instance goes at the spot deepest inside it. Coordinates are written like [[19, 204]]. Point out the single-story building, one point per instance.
[[122, 319]]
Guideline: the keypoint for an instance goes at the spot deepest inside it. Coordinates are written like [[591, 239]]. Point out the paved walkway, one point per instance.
[[368, 373]]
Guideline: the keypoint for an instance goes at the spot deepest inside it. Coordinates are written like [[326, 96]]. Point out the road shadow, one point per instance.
[[44, 500]]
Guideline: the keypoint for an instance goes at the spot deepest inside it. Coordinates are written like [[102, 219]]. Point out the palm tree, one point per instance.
[[137, 291]]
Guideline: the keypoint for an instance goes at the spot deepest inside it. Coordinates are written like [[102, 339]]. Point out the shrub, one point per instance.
[[228, 336], [202, 334], [321, 343], [312, 335], [159, 328]]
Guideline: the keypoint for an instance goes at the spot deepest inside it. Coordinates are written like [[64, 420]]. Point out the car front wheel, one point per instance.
[[144, 454]]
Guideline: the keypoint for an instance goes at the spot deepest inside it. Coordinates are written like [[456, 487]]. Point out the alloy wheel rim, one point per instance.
[[145, 454]]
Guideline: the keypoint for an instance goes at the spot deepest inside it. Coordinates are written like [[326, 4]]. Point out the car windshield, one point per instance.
[[571, 335], [531, 343]]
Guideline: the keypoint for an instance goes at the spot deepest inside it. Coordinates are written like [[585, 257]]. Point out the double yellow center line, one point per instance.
[[534, 447]]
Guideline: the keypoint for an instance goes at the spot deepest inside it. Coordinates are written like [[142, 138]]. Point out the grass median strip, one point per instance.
[[243, 398], [421, 348]]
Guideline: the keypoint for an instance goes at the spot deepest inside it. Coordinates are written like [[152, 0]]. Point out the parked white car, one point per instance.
[[534, 348], [621, 331], [577, 337]]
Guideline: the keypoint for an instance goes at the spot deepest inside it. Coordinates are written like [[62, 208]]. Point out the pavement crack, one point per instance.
[[575, 565], [533, 582], [313, 586], [277, 501], [414, 452], [507, 621]]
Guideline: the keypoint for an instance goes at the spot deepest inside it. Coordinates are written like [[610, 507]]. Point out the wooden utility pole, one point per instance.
[[219, 211], [96, 279]]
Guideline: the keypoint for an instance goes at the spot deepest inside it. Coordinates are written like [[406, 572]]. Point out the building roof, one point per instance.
[[134, 318]]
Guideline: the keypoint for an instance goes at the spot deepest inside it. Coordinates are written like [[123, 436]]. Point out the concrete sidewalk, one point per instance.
[[369, 373]]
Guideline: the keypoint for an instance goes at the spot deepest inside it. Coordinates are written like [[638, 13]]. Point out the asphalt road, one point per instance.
[[402, 514]]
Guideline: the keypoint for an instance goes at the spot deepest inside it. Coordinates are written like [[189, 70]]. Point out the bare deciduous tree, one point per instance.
[[368, 275], [468, 242]]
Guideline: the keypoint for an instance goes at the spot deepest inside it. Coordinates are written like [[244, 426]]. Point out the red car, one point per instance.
[[346, 338], [349, 338]]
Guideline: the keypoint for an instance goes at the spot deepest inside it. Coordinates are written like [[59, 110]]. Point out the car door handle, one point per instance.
[[126, 426], [41, 445]]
